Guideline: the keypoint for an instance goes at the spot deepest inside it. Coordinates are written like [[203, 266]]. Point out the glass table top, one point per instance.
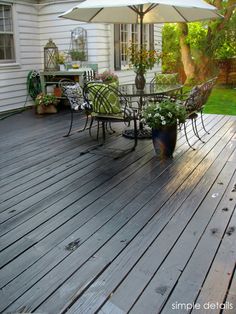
[[150, 89]]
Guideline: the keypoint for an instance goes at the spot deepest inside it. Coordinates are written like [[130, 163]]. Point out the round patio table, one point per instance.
[[151, 90]]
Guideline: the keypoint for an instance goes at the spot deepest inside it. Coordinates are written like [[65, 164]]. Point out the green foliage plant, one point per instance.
[[208, 41], [77, 55], [171, 58], [46, 99]]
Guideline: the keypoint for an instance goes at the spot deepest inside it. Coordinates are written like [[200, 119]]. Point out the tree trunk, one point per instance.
[[188, 63]]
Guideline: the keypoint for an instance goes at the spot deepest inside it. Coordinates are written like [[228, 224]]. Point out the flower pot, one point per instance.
[[62, 67], [42, 109], [57, 92], [140, 81], [164, 140]]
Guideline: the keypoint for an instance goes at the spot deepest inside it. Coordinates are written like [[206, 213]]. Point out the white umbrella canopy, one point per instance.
[[141, 11]]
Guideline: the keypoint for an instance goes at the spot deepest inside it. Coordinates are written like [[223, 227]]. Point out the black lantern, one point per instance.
[[50, 56]]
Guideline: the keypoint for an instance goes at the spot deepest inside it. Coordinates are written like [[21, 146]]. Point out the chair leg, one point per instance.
[[203, 125], [185, 132], [113, 131], [71, 123], [90, 126], [103, 131], [85, 125], [135, 134], [194, 124], [98, 126]]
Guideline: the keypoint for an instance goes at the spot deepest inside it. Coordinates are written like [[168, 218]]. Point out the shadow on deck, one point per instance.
[[90, 234]]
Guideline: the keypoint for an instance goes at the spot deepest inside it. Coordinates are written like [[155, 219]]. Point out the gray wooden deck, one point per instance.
[[90, 234]]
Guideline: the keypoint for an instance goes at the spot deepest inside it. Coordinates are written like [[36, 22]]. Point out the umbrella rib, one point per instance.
[[152, 6], [180, 14], [134, 8], [95, 14]]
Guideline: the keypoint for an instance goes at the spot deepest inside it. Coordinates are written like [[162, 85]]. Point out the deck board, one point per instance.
[[87, 233]]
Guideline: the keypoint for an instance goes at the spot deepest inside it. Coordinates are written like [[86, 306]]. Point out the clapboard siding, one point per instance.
[[36, 23], [13, 80]]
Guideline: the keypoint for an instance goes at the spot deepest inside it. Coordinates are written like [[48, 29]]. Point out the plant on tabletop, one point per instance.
[[141, 60]]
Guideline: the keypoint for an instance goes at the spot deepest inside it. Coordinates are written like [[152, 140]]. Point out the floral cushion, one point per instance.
[[75, 96], [166, 79]]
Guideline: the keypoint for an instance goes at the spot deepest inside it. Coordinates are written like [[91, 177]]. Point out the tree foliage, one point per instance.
[[196, 45]]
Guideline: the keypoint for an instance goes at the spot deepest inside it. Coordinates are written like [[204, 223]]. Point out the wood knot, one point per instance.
[[161, 290], [214, 230], [225, 209], [72, 246], [230, 231]]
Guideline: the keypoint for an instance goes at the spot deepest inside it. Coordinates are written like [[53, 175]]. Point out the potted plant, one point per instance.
[[60, 59], [107, 77], [46, 103], [77, 55], [163, 118], [142, 59]]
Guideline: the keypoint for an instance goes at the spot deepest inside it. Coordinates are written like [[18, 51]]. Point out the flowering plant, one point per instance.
[[164, 113], [142, 59], [60, 58], [46, 99], [107, 76]]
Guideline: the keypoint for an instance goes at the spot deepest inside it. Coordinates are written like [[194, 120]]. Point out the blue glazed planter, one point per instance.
[[164, 140]]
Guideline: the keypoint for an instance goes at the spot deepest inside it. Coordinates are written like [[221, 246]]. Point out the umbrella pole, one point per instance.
[[141, 15]]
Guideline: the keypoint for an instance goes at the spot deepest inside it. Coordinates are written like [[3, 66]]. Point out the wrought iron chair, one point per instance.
[[193, 105], [74, 94], [206, 89], [109, 105], [166, 79]]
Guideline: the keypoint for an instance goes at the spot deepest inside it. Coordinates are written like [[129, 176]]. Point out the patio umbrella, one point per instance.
[[141, 12]]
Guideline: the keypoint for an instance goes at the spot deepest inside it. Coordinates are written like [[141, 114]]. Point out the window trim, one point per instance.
[[117, 43], [16, 62]]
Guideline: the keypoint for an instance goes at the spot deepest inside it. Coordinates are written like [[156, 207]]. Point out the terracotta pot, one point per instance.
[[164, 140], [57, 91], [41, 109]]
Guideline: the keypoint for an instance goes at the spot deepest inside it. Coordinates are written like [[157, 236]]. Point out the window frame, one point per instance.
[[120, 58], [14, 63]]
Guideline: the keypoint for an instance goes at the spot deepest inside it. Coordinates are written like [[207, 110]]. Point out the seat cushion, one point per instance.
[[166, 79], [193, 102]]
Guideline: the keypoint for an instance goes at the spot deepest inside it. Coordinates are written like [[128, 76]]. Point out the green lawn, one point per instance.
[[222, 101]]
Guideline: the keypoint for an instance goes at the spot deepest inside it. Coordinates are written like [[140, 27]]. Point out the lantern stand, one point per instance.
[[50, 56]]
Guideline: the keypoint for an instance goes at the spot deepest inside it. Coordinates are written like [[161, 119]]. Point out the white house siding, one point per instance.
[[35, 24], [129, 76], [13, 78]]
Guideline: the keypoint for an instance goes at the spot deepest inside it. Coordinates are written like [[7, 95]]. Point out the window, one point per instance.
[[124, 34], [7, 53]]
